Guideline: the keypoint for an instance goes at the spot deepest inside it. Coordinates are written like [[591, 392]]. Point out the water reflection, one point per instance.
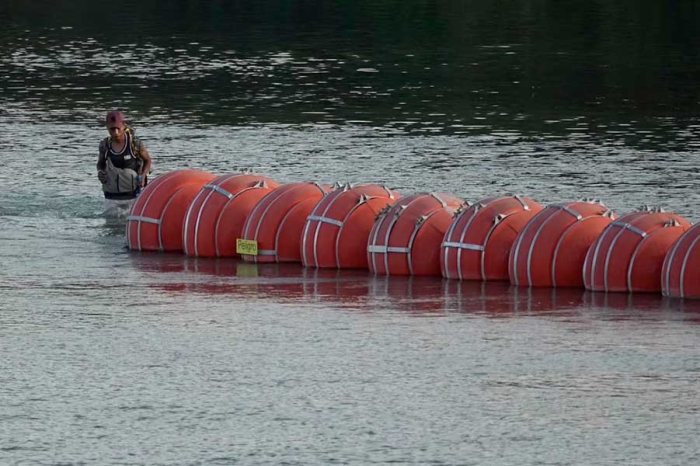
[[624, 306], [422, 296]]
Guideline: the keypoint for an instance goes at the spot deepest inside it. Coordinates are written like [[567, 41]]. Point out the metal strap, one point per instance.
[[571, 211], [218, 189], [140, 218], [332, 221], [385, 249], [470, 246], [522, 202], [637, 230]]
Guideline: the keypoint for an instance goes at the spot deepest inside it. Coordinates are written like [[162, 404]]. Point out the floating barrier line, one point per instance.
[[548, 245]]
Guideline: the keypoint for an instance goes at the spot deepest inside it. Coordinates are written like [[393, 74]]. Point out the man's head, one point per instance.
[[115, 123], [115, 118]]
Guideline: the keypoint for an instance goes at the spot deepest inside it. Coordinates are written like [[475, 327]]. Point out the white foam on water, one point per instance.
[[117, 209]]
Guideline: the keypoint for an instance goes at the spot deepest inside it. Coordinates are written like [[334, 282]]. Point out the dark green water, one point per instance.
[[621, 72]]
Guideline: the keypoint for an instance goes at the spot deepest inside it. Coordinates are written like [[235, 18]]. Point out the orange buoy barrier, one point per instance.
[[629, 253], [276, 222], [552, 246], [679, 274], [156, 217], [406, 236], [477, 244], [218, 212], [335, 233]]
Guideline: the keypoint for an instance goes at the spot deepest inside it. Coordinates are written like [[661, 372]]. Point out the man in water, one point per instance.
[[124, 163]]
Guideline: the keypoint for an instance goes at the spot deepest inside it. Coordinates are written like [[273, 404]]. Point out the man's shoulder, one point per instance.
[[136, 141]]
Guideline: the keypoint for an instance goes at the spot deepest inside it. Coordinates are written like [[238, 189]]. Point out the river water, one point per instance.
[[116, 357]]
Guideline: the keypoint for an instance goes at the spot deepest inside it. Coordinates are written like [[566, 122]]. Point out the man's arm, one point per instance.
[[146, 167], [101, 165]]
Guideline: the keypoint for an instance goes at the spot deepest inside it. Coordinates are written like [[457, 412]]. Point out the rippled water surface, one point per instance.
[[116, 357]]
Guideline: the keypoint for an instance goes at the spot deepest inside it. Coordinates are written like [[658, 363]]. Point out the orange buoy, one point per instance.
[[629, 253], [234, 215], [679, 275], [551, 248], [405, 238], [478, 242], [335, 233], [217, 213], [156, 217], [276, 222]]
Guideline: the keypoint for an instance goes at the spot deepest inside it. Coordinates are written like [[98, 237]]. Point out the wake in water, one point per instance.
[[114, 213], [117, 209]]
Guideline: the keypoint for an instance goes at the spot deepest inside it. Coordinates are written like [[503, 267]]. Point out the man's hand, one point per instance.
[[102, 176]]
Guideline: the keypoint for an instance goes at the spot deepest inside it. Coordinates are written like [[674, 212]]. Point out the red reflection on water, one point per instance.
[[623, 306], [415, 294], [626, 301], [504, 299], [360, 290]]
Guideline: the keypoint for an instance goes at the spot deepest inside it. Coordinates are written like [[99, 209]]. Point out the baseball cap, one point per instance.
[[114, 119]]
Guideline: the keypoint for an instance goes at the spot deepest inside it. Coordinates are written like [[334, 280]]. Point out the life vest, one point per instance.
[[122, 167], [129, 156]]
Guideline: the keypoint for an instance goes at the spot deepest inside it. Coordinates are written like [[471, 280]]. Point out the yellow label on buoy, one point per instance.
[[247, 246]]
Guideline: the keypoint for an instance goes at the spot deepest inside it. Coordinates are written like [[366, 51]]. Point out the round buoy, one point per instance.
[[217, 213], [679, 275], [477, 244], [551, 248], [230, 225], [629, 253], [276, 222], [406, 236], [156, 217], [335, 233]]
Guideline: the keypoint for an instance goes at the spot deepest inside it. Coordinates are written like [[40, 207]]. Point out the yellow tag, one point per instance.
[[247, 246]]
